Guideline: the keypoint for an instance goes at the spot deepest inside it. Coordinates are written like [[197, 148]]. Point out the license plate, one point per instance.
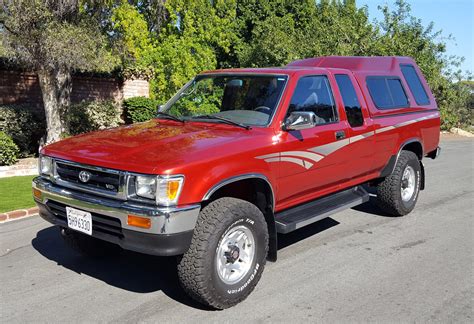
[[79, 220]]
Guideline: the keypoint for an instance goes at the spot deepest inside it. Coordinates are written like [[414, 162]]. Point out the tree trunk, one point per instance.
[[56, 86]]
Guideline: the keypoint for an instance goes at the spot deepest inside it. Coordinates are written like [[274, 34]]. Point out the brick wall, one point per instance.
[[22, 87], [19, 87], [135, 88]]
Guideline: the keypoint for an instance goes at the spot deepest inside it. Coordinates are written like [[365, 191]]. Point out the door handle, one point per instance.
[[340, 135]]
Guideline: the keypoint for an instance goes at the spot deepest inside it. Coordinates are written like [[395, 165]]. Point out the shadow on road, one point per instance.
[[144, 273], [285, 240], [130, 271], [370, 207]]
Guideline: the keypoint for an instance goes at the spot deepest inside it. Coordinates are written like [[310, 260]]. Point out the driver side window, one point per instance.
[[313, 93]]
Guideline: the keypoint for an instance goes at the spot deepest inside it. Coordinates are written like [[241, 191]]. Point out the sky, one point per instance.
[[453, 17]]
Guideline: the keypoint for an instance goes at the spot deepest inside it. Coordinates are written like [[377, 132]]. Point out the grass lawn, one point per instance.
[[15, 193]]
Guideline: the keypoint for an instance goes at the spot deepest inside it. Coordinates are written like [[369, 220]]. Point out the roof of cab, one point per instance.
[[351, 63], [355, 63]]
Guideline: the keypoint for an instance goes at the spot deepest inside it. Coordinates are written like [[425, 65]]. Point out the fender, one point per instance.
[[238, 178], [269, 213], [392, 162]]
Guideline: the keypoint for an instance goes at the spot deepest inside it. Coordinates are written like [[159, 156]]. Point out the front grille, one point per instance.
[[102, 180], [100, 223]]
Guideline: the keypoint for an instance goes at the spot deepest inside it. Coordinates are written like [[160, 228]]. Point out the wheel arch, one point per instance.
[[414, 145], [256, 189]]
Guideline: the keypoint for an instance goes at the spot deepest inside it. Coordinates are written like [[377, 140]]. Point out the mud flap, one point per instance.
[[422, 180]]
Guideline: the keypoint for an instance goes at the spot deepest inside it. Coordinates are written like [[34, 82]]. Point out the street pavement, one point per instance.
[[357, 266]]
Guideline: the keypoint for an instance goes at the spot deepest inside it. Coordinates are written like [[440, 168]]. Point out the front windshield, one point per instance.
[[244, 99]]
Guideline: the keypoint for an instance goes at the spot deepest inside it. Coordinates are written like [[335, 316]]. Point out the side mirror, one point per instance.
[[299, 120]]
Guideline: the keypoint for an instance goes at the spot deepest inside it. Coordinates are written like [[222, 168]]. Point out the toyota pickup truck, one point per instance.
[[238, 157]]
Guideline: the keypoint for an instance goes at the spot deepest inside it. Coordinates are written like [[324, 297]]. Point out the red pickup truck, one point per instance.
[[238, 156]]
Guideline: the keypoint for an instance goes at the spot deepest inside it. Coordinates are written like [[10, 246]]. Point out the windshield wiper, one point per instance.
[[168, 116], [225, 120]]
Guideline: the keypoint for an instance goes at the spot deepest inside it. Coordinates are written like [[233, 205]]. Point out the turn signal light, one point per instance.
[[138, 221], [36, 193], [173, 189]]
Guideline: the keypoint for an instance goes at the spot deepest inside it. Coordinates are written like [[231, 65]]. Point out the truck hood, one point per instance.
[[155, 147]]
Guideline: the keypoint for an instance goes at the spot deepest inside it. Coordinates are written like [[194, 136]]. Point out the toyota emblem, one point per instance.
[[84, 176]]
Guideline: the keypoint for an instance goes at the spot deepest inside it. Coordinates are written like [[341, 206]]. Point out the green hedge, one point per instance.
[[25, 125], [8, 150], [93, 115], [139, 109]]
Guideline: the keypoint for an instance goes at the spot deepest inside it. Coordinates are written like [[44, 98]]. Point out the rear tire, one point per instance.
[[398, 193], [87, 245], [227, 254]]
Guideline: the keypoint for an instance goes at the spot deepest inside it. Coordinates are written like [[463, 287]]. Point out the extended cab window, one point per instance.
[[387, 92], [313, 93], [415, 85], [351, 103]]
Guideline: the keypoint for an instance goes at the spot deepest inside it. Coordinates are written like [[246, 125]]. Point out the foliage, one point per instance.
[[54, 38], [16, 193], [275, 32], [25, 125], [8, 150], [168, 42], [139, 109], [402, 34], [197, 35], [89, 116], [133, 38], [48, 35]]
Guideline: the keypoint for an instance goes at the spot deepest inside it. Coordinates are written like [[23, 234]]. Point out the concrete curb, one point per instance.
[[18, 214], [461, 132]]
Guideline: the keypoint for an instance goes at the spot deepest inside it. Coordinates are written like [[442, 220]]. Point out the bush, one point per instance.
[[139, 109], [8, 150], [25, 125], [89, 116]]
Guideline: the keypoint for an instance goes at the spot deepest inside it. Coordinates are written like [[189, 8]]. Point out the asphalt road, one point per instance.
[[358, 266]]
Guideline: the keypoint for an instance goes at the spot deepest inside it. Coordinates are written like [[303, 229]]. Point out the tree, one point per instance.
[[402, 34], [197, 35], [54, 38]]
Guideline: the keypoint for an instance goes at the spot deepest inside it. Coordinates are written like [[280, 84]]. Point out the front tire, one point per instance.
[[227, 254], [398, 193]]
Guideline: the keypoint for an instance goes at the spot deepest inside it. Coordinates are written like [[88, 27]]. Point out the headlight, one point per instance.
[[146, 186], [164, 190], [45, 166]]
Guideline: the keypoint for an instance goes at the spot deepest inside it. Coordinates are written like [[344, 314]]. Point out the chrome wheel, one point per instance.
[[235, 254], [408, 183]]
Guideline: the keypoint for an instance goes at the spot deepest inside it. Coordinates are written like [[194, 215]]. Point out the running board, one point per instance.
[[308, 213]]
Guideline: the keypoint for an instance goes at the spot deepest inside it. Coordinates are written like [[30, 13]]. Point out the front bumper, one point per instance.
[[171, 227]]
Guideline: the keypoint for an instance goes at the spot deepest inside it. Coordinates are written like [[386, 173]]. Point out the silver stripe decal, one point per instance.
[[277, 159], [307, 155], [300, 162], [318, 153], [329, 148], [268, 156], [359, 137]]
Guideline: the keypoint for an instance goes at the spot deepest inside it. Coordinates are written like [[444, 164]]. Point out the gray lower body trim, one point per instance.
[[164, 220]]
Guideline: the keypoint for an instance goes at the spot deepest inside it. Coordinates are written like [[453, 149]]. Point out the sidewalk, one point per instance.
[[28, 166], [20, 213]]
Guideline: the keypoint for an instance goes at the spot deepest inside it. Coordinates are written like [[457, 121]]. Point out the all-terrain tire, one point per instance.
[[87, 245], [198, 269], [389, 197]]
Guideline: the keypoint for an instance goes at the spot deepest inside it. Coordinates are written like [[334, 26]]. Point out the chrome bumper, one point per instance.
[[164, 220]]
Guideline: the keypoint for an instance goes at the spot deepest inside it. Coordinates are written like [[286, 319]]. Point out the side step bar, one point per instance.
[[308, 213]]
